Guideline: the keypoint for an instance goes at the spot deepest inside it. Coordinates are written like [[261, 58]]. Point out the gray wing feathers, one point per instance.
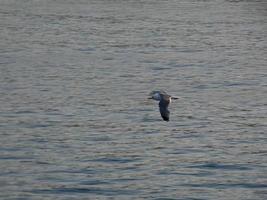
[[163, 108]]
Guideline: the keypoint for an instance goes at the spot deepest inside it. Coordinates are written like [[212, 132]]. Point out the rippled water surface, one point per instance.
[[75, 121]]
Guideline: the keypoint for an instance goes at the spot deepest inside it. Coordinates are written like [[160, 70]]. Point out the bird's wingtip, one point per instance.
[[166, 119]]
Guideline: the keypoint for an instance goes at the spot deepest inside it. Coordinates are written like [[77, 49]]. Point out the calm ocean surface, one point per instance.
[[75, 121]]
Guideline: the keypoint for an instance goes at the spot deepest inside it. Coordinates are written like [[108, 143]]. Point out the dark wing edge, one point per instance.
[[163, 108]]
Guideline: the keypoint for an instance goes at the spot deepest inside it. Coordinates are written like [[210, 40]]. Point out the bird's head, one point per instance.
[[175, 98]]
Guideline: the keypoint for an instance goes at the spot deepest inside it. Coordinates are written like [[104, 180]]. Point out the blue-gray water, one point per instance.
[[75, 121]]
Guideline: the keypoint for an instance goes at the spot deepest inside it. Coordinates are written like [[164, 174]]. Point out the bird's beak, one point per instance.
[[149, 98], [175, 98]]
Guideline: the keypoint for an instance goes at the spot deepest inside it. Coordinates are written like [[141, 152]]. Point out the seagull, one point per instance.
[[164, 101]]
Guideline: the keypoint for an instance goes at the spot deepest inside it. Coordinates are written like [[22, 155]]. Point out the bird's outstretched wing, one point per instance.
[[163, 108]]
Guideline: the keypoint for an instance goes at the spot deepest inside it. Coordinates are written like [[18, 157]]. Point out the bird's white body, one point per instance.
[[156, 95]]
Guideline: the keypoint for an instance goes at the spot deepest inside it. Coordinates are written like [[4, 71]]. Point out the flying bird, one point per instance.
[[164, 101]]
